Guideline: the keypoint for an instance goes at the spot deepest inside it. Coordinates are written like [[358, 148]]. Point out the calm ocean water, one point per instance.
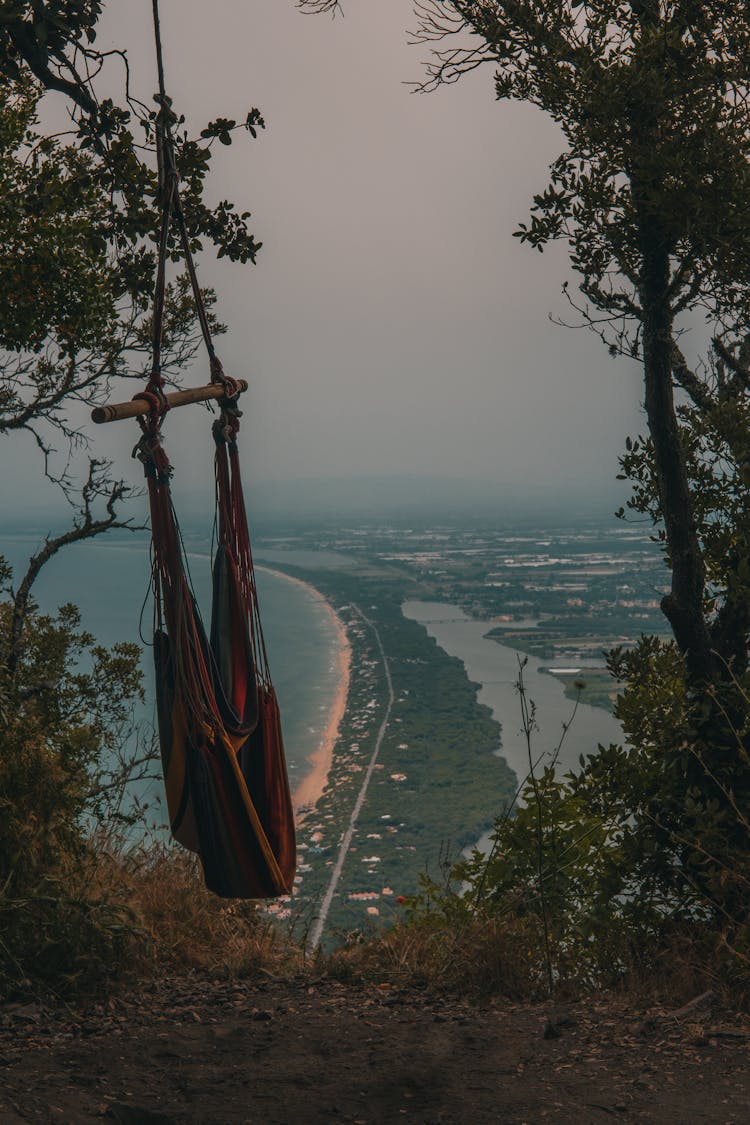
[[109, 581]]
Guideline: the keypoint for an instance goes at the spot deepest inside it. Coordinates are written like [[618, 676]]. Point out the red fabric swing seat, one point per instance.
[[219, 728]]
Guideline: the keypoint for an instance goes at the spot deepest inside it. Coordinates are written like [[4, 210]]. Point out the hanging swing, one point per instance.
[[222, 753]]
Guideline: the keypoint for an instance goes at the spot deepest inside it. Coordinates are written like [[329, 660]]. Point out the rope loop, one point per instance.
[[230, 385], [150, 452], [169, 177], [230, 411], [166, 114], [158, 405], [227, 426]]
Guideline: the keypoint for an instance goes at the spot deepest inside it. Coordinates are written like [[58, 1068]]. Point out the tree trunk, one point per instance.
[[683, 605]]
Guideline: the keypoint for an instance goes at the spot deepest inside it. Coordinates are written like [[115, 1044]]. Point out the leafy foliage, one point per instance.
[[66, 710], [51, 218], [75, 314], [53, 42]]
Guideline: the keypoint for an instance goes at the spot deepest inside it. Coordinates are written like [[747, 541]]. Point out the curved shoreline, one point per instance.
[[311, 787]]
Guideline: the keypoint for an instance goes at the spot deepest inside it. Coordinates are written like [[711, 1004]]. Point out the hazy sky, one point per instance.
[[392, 323]]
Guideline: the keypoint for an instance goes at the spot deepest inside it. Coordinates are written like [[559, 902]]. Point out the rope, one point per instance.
[[171, 208], [159, 55]]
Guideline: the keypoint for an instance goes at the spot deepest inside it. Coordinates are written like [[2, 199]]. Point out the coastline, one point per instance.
[[311, 787]]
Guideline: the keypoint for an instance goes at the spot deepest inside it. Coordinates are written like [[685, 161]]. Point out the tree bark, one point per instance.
[[683, 605]]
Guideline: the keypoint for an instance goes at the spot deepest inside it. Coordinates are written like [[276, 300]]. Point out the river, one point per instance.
[[495, 667]]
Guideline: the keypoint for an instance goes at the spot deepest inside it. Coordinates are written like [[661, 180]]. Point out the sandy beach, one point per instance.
[[310, 789]]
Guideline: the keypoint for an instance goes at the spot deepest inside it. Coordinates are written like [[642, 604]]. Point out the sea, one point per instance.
[[108, 579]]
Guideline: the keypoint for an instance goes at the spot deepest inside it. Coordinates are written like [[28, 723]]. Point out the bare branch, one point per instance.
[[87, 525], [689, 381], [738, 366], [437, 23], [317, 6]]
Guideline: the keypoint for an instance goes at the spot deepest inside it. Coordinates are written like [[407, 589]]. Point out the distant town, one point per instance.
[[566, 595]]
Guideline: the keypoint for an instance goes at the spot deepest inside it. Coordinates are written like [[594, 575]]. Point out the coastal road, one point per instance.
[[317, 929]]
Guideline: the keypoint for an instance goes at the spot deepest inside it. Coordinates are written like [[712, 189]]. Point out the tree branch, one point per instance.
[[87, 526], [317, 6], [689, 381], [738, 366], [37, 61]]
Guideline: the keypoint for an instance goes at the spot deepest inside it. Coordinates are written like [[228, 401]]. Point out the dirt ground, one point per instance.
[[300, 1050]]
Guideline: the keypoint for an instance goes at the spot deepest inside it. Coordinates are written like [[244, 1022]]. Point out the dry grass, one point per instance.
[[115, 915], [483, 956], [478, 957], [140, 913], [179, 926]]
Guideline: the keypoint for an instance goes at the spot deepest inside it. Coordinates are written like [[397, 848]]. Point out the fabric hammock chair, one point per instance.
[[222, 752], [219, 728]]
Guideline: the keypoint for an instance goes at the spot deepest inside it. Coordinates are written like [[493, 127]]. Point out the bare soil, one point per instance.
[[301, 1050]]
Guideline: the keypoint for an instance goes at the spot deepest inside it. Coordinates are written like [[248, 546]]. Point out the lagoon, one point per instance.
[[495, 667]]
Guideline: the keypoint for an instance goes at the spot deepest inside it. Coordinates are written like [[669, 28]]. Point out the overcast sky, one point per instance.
[[392, 323]]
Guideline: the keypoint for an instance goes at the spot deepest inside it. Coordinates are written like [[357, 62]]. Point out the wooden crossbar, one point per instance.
[[115, 411]]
